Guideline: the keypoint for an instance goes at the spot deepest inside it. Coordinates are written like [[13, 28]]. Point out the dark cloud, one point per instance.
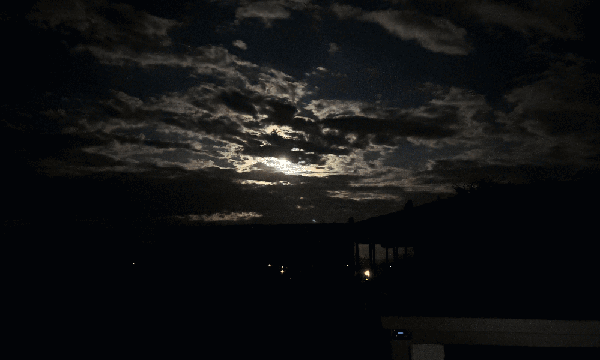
[[309, 127], [564, 101], [237, 101], [159, 144], [461, 172], [371, 155], [384, 129], [102, 24], [140, 194], [548, 17], [279, 112], [563, 19], [30, 144], [221, 126], [122, 105]]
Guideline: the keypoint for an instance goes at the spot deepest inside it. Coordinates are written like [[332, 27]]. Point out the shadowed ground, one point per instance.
[[261, 318]]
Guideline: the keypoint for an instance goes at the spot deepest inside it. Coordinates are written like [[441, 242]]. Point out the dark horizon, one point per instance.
[[458, 248], [567, 200]]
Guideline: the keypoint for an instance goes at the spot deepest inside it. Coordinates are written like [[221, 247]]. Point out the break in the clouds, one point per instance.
[[330, 111]]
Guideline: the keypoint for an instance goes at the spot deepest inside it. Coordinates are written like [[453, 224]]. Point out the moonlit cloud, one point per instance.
[[240, 44], [320, 112], [433, 33], [324, 108], [267, 11], [226, 217], [333, 48], [345, 11], [362, 196]]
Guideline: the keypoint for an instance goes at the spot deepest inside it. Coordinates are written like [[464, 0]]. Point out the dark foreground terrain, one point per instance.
[[254, 315]]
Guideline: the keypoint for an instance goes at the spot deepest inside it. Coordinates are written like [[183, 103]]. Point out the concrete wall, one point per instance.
[[429, 335], [427, 352]]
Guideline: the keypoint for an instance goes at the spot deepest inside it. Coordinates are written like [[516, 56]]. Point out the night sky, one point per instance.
[[289, 111]]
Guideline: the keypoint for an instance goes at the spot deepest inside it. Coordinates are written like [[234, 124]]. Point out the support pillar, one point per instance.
[[400, 349]]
